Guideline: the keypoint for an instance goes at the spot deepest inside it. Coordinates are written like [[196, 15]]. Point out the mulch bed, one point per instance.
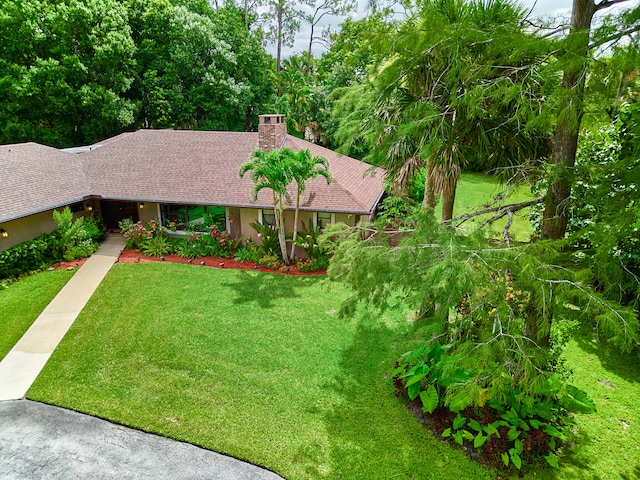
[[68, 265], [133, 256]]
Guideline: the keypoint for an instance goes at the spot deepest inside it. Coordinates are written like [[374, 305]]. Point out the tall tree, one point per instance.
[[321, 9], [273, 171], [450, 89], [304, 168], [283, 22], [575, 59], [187, 76]]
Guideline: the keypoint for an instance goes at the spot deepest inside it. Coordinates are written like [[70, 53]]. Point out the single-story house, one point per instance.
[[176, 177]]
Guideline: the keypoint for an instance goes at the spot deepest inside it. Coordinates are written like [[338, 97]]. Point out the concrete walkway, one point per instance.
[[23, 364], [46, 442]]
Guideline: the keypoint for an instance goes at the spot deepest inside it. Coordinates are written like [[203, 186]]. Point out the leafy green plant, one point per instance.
[[75, 236], [308, 239], [190, 247], [268, 236], [313, 264], [30, 255], [248, 252], [156, 246], [517, 429], [396, 212]]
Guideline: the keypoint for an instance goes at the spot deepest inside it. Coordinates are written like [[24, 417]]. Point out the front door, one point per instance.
[[114, 211]]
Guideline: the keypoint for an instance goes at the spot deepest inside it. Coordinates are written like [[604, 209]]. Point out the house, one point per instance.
[[176, 177]]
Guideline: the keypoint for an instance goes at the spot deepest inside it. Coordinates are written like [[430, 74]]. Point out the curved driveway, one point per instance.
[[40, 441]]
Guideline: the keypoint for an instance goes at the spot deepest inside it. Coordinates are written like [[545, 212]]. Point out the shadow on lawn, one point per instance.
[[263, 289], [370, 433], [624, 365]]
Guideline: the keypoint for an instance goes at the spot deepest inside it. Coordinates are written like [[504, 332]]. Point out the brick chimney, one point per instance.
[[271, 130]]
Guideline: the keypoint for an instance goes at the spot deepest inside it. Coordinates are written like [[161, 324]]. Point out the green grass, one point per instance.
[[22, 301], [609, 442], [257, 366], [260, 367], [475, 190]]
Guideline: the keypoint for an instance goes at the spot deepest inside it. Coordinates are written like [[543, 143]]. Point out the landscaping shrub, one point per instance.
[[268, 236], [314, 264], [514, 430], [156, 246], [190, 246], [136, 234], [271, 262], [79, 238], [317, 253], [248, 252], [30, 255]]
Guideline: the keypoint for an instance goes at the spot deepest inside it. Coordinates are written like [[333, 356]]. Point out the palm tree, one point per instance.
[[304, 167], [451, 90], [271, 170]]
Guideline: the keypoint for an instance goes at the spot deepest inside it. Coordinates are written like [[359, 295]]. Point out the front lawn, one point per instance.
[[22, 301], [260, 367], [609, 442], [254, 365]]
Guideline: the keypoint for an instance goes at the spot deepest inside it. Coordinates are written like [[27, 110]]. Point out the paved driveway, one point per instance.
[[39, 441]]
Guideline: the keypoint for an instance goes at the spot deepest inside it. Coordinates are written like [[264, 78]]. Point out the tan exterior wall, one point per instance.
[[28, 228], [348, 219], [149, 212], [240, 222], [247, 217], [234, 220]]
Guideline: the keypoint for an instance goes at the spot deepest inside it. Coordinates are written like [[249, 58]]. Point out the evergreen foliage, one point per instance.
[[502, 310]]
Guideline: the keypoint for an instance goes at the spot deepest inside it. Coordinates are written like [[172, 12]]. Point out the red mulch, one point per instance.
[[68, 265], [132, 256]]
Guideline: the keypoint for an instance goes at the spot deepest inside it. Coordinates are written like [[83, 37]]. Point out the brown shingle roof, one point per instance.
[[180, 166], [36, 178]]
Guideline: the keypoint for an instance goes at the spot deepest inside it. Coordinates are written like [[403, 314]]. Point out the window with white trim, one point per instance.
[[268, 217], [323, 219]]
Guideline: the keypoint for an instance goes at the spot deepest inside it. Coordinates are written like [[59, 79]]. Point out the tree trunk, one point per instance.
[[537, 322], [448, 198], [295, 227], [310, 45], [429, 199], [282, 236], [554, 219], [279, 41]]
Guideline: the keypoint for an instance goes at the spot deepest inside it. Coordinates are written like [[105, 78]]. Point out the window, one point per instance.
[[268, 217], [322, 219], [198, 218]]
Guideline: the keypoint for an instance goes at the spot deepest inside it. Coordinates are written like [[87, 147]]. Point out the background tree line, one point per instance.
[[76, 72]]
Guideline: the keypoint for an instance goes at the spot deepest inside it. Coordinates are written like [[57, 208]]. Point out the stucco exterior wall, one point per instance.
[[247, 217], [234, 221], [149, 212], [28, 228], [347, 219]]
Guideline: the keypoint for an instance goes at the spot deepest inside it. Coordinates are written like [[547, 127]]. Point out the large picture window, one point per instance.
[[198, 218]]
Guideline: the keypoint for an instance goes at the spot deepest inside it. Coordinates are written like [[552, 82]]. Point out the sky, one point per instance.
[[553, 8]]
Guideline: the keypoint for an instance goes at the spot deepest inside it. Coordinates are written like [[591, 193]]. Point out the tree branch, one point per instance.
[[608, 3], [503, 210], [615, 36]]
